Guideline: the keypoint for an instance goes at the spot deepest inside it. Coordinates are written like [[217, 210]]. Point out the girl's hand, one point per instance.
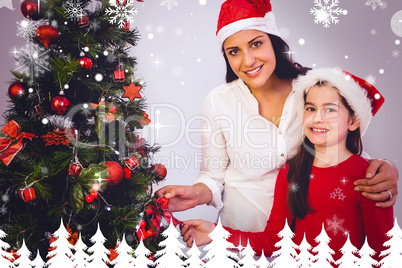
[[198, 231], [182, 197], [381, 183]]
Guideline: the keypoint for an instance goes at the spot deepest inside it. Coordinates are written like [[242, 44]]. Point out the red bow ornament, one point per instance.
[[9, 147]]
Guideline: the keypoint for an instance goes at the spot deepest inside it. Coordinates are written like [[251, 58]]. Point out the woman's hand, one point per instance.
[[182, 197], [198, 231], [381, 183]]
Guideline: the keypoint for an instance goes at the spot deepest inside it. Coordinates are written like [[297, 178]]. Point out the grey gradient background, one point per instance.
[[180, 61]]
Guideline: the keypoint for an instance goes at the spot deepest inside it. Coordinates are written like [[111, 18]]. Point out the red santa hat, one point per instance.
[[238, 15], [364, 99]]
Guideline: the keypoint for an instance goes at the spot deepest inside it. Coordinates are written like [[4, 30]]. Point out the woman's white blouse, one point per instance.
[[243, 152]]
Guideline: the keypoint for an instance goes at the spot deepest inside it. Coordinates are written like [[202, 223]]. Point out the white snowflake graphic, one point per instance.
[[370, 79], [74, 10], [3, 210], [327, 13], [122, 13], [335, 225], [395, 53], [374, 3], [373, 31], [32, 60], [95, 25], [169, 3], [293, 187], [26, 28]]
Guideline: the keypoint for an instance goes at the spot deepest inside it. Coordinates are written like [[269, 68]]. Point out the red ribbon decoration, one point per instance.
[[9, 147], [158, 214], [163, 205]]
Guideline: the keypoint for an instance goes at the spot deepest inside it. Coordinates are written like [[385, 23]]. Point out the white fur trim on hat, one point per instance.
[[266, 24], [355, 95]]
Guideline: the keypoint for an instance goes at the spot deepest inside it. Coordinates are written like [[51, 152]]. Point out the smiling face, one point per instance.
[[251, 57], [326, 120]]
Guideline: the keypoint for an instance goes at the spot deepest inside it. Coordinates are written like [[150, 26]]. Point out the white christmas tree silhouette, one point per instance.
[[393, 254], [60, 256], [141, 254], [324, 257], [366, 253], [3, 253], [286, 254], [194, 257], [80, 258], [170, 255], [248, 260], [305, 257], [348, 259], [24, 260], [262, 261], [99, 252], [124, 258], [218, 252], [38, 261]]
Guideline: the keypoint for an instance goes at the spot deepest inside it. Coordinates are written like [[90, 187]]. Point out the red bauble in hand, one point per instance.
[[60, 104], [159, 170], [116, 173], [17, 90], [46, 34]]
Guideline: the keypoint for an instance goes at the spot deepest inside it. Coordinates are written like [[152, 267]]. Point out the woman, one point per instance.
[[251, 127]]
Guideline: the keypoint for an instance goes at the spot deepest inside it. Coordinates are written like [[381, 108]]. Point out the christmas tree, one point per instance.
[[71, 147], [287, 249]]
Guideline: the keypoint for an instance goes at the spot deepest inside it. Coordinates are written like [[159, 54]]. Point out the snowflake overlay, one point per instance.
[[293, 187], [169, 3], [374, 3], [74, 10], [395, 53], [32, 60], [26, 28], [122, 13], [327, 13], [335, 225]]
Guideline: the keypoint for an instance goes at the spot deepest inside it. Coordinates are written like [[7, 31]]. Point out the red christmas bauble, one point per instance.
[[159, 170], [17, 91], [116, 173], [89, 198], [86, 63], [60, 104], [46, 34], [31, 9]]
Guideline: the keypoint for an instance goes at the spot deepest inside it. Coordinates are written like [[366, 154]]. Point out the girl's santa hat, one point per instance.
[[363, 97], [238, 15]]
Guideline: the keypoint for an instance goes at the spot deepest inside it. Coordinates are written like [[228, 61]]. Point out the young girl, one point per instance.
[[316, 186]]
